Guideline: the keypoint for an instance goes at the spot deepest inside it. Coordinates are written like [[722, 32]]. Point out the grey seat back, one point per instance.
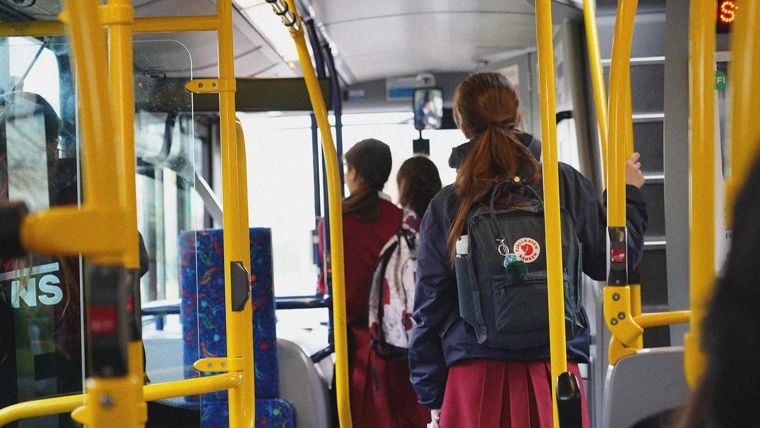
[[301, 384], [643, 384]]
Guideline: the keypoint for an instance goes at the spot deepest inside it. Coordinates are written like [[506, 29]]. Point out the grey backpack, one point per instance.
[[501, 271]]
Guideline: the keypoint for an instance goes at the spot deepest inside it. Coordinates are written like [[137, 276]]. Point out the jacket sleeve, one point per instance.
[[435, 298], [590, 218]]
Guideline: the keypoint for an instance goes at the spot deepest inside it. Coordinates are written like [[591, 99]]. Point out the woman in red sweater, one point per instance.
[[381, 393]]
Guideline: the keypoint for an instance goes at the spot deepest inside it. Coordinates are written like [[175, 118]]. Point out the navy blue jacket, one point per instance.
[[432, 349]]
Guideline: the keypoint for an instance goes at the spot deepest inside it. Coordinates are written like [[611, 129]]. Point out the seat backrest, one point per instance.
[[643, 384], [203, 324], [301, 385]]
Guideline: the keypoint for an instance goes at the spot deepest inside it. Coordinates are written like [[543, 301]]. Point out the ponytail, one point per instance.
[[498, 155]]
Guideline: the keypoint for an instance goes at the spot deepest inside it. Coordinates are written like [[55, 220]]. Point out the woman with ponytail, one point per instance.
[[463, 382], [381, 394]]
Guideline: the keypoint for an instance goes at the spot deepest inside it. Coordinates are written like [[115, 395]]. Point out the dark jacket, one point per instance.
[[433, 350], [460, 152]]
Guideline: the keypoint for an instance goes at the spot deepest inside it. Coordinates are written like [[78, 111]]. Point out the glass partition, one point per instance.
[[168, 207], [41, 338]]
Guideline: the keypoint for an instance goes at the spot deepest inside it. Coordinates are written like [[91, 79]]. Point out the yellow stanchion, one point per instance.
[[621, 301], [745, 105], [243, 230], [636, 305], [597, 77], [118, 16], [336, 214], [702, 176], [558, 345], [241, 400], [619, 109]]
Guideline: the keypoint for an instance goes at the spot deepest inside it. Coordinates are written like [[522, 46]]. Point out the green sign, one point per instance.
[[721, 80]]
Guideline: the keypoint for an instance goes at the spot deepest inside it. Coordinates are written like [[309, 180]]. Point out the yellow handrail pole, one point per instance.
[[618, 294], [743, 75], [244, 231], [152, 392], [558, 345], [636, 304], [118, 16], [597, 77], [702, 175], [109, 400], [172, 24], [162, 24], [336, 221], [241, 400], [657, 319], [31, 29]]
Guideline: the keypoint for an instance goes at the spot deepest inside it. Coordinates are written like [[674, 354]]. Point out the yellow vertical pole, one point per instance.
[[629, 149], [620, 299], [620, 115], [336, 222], [745, 104], [241, 399], [551, 195], [118, 16], [597, 77], [243, 231], [109, 401], [702, 176]]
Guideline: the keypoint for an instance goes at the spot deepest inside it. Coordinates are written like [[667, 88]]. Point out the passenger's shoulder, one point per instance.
[[444, 197], [389, 206]]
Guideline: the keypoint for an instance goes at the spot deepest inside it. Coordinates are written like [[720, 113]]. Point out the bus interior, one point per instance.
[[372, 60]]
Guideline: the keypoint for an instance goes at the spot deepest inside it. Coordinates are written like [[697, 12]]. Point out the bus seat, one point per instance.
[[202, 315], [644, 384], [302, 385]]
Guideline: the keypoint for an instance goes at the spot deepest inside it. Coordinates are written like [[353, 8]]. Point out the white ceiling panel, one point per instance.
[[378, 39], [335, 11]]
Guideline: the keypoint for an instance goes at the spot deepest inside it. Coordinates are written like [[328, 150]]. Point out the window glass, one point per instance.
[[281, 192]]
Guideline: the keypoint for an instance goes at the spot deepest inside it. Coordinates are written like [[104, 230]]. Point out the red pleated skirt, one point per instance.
[[382, 395], [503, 394]]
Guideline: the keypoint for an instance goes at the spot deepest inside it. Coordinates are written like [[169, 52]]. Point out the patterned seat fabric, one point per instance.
[[203, 326]]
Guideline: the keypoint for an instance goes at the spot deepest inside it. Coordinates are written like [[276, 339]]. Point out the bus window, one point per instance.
[[41, 338]]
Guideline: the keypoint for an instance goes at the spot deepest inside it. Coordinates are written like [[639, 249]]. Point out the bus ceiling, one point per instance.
[[401, 38]]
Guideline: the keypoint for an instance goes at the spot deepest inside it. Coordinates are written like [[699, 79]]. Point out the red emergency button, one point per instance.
[[617, 255], [102, 320]]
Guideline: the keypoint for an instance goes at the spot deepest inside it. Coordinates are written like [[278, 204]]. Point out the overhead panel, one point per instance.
[[395, 37]]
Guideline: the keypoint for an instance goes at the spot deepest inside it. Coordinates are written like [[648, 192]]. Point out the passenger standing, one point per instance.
[[381, 394], [418, 181], [465, 383]]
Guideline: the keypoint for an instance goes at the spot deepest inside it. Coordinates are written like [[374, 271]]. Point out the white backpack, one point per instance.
[[391, 295]]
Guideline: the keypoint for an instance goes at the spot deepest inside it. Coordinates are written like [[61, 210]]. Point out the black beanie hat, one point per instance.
[[371, 159]]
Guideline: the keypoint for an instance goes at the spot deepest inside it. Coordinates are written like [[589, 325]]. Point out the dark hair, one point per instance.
[[486, 106], [371, 159], [418, 181]]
